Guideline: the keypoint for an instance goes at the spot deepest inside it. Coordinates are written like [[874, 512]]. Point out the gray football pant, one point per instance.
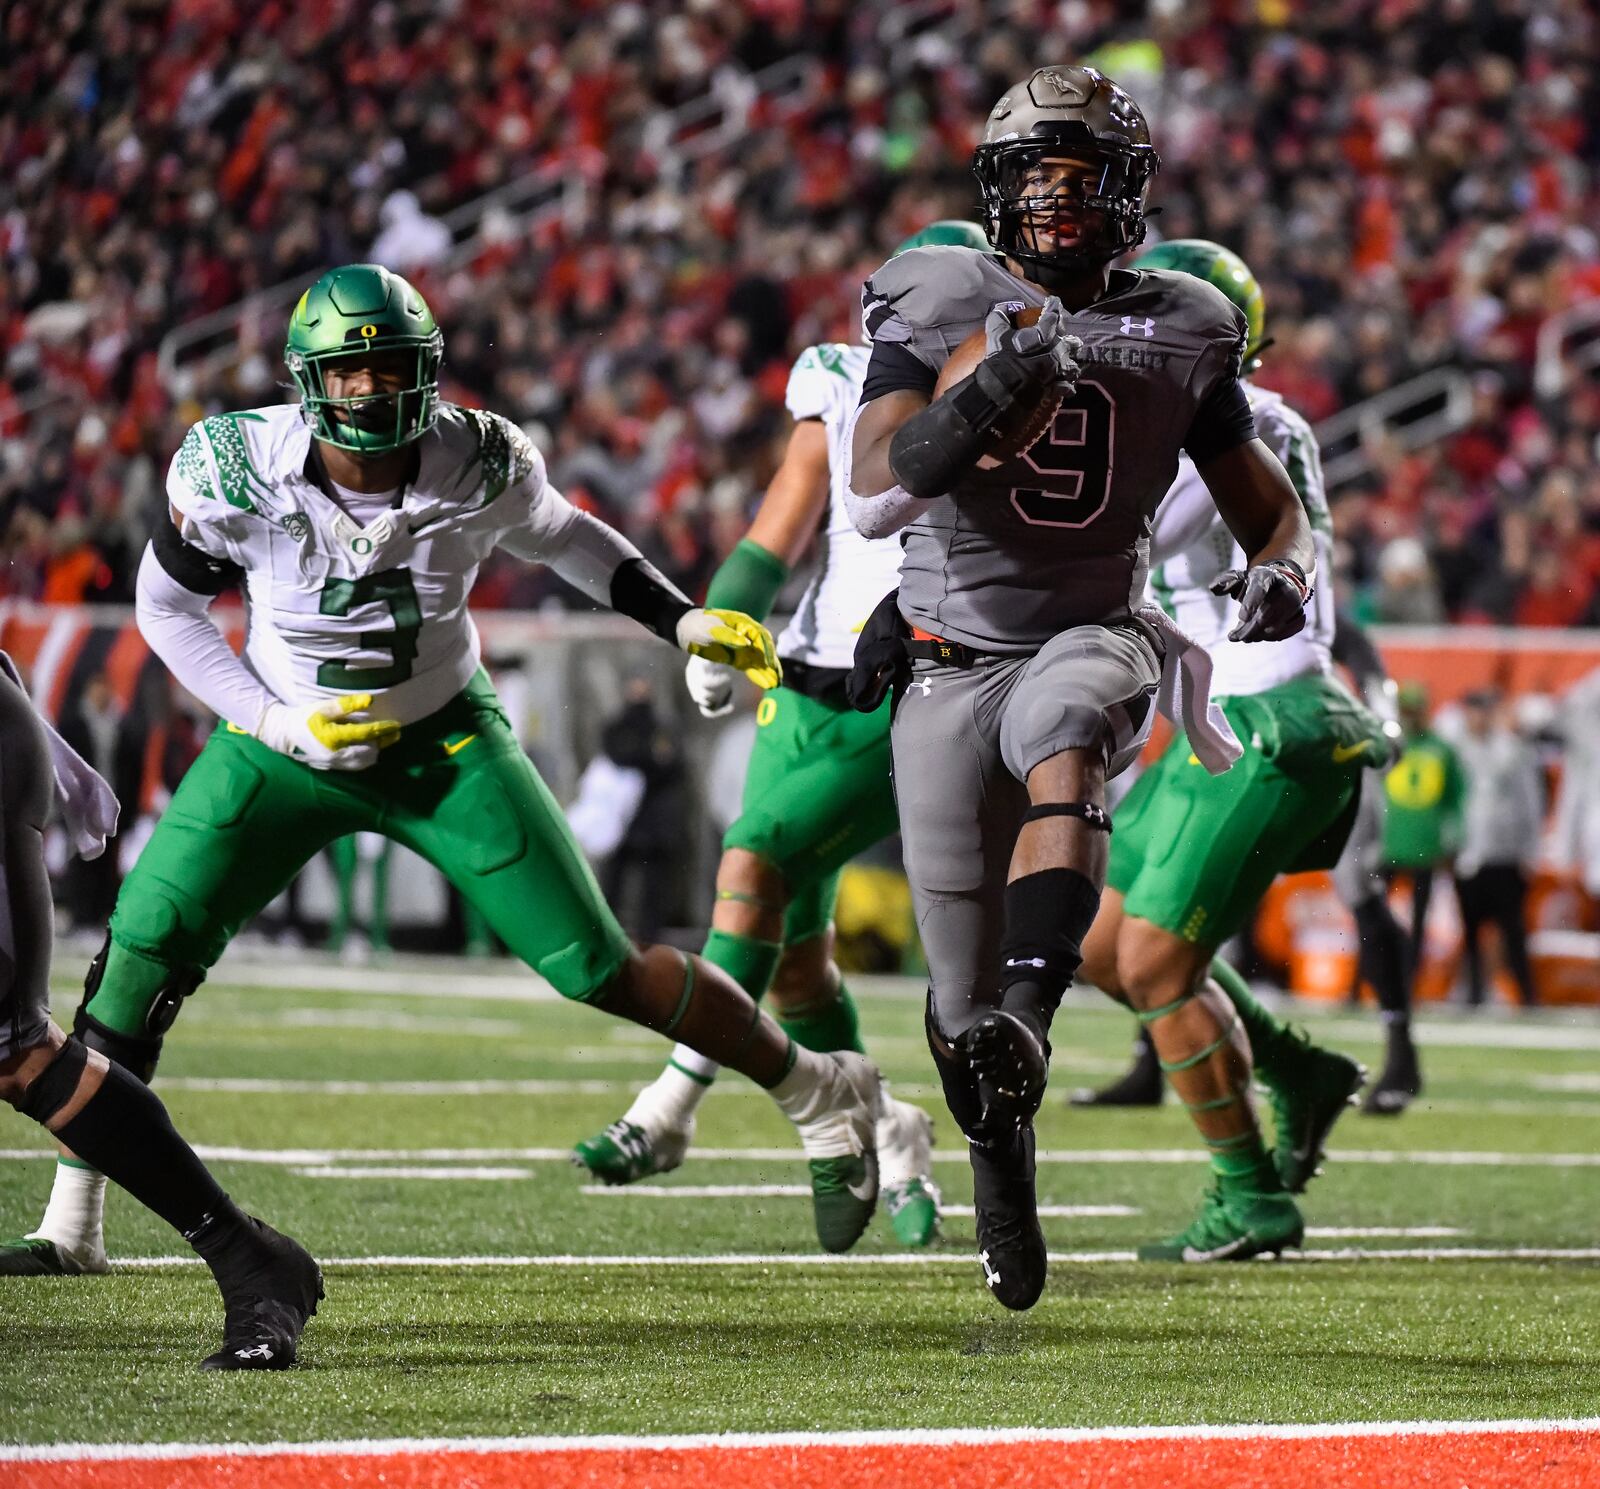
[[27, 923], [965, 740]]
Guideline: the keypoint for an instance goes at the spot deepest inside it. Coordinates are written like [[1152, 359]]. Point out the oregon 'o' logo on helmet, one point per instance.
[[365, 309]]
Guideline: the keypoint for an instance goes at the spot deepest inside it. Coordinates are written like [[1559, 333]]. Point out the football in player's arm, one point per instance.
[[1033, 675]]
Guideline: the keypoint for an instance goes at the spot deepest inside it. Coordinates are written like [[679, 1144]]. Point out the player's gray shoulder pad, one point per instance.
[[1184, 303], [938, 289]]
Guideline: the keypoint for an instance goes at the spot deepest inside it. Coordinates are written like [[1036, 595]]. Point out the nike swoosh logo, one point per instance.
[[459, 745], [867, 1189], [1341, 753], [1194, 1254]]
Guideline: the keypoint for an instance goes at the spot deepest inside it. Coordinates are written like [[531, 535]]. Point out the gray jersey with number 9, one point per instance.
[[1058, 536]]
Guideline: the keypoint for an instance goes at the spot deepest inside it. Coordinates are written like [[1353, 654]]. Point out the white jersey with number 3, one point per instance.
[[338, 608], [853, 573], [1190, 545]]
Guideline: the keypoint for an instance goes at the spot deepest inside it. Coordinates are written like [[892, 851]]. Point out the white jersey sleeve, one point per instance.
[[210, 486], [1191, 545], [852, 573]]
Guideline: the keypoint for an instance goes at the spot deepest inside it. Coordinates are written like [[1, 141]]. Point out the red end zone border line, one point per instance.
[[1431, 1455]]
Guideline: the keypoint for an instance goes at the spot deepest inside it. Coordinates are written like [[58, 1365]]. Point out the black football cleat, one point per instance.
[[1399, 1085], [1142, 1084], [1010, 1243], [1010, 1064], [269, 1295]]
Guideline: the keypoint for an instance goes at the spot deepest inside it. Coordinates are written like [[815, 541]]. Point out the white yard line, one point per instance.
[[801, 1191], [895, 1437], [397, 1171], [1426, 1158], [888, 1258], [268, 1086]]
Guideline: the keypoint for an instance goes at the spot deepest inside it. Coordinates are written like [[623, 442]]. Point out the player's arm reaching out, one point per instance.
[[1259, 503], [603, 564], [751, 576]]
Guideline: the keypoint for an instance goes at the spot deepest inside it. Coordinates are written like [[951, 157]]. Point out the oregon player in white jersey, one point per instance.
[[356, 521], [817, 792], [1192, 853]]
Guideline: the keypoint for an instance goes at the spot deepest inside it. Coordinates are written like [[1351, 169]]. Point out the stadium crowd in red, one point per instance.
[[1415, 183]]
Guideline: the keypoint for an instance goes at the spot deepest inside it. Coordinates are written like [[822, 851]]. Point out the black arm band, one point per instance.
[[189, 566], [938, 445], [643, 593]]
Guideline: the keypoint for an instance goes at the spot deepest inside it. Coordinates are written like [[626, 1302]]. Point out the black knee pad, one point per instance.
[[137, 1056], [53, 1087], [1047, 916]]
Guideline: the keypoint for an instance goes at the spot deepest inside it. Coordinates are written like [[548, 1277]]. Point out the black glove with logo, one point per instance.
[[1272, 599]]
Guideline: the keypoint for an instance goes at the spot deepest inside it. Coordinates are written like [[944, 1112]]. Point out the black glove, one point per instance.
[[1272, 599], [881, 661], [1022, 358]]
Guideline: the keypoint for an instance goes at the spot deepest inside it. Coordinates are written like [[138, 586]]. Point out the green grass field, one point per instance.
[[397, 1120]]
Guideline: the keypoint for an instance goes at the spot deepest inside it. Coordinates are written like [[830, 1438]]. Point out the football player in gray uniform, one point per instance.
[[1028, 679]]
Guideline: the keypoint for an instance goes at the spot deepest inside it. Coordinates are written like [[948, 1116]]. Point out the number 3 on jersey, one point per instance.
[[394, 588], [1075, 454]]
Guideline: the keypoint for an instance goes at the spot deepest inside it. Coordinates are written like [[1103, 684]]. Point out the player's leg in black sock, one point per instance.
[[118, 1124], [1383, 964]]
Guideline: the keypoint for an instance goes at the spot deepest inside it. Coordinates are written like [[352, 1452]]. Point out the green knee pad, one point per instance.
[[130, 1000]]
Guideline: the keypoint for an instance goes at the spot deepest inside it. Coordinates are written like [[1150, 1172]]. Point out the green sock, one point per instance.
[[749, 962], [827, 1025], [1270, 1040], [1243, 1165]]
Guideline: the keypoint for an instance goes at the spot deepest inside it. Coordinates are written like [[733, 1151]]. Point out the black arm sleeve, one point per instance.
[[643, 593], [1353, 648], [192, 567], [892, 368], [1222, 423]]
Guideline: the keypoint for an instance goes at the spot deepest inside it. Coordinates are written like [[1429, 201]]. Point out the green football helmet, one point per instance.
[[948, 232], [1227, 271], [355, 309]]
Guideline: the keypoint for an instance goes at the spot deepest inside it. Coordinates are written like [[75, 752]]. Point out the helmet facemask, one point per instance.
[[1059, 223], [376, 423]]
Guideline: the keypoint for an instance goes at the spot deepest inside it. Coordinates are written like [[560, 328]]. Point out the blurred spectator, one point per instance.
[[1503, 818], [1575, 845], [1424, 791], [93, 727], [636, 878], [1416, 185]]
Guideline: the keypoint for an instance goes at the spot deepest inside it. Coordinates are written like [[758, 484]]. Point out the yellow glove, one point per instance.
[[337, 735], [734, 639]]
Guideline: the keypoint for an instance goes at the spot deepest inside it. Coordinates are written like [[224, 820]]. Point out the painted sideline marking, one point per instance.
[[869, 1438], [1427, 1158], [889, 1258]]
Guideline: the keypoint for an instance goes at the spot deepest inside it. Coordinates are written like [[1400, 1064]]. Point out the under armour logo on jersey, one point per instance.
[[921, 682], [1145, 327]]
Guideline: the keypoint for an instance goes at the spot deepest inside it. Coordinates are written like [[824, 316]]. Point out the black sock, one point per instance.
[[1047, 916], [124, 1131], [1383, 957]]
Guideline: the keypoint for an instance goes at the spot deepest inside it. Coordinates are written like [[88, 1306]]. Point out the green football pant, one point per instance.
[[816, 794], [455, 788], [1193, 853]]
